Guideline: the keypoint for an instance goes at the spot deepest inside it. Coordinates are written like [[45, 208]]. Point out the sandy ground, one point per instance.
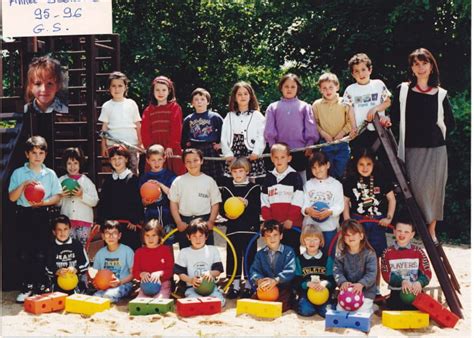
[[117, 321]]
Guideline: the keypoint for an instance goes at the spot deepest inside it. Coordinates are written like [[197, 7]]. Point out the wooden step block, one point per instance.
[[86, 305], [138, 306], [259, 308], [187, 307], [442, 316], [349, 320], [158, 306], [148, 306], [38, 304], [58, 300], [405, 319]]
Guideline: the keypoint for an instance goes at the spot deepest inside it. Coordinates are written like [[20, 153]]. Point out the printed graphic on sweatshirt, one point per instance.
[[200, 129], [406, 268]]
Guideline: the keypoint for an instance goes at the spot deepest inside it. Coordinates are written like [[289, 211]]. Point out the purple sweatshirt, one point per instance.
[[290, 121]]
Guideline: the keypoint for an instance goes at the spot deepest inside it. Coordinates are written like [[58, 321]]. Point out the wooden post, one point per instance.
[[91, 54], [418, 220]]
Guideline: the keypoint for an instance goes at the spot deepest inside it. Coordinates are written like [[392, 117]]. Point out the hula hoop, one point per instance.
[[234, 254], [247, 250]]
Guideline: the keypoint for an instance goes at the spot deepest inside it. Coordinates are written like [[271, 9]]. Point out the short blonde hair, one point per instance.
[[328, 77], [312, 230], [155, 149], [280, 146], [239, 163]]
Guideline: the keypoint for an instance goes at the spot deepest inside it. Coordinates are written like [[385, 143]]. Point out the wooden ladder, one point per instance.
[[444, 272]]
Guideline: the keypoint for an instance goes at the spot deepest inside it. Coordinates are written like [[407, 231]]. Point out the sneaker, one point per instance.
[[25, 293], [232, 293], [40, 289], [178, 293], [246, 293]]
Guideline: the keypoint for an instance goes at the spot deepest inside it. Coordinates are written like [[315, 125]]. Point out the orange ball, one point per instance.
[[103, 278], [150, 191], [270, 295]]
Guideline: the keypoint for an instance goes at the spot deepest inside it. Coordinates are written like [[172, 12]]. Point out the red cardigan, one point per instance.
[[151, 260]]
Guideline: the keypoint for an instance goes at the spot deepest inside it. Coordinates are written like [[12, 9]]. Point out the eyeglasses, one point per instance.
[[111, 234]]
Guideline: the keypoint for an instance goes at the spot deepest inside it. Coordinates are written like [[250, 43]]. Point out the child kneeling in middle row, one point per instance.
[[199, 261]]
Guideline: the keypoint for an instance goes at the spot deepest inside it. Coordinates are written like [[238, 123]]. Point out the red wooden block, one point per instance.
[[425, 303], [187, 307], [38, 304], [58, 300], [212, 305], [446, 318]]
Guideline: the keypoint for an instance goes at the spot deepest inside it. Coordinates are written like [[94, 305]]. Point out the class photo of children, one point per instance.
[[222, 168]]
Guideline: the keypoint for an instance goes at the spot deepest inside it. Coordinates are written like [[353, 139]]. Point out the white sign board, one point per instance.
[[56, 17]]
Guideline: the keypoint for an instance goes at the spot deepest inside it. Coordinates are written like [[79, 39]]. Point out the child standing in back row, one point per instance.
[[242, 131], [202, 130], [121, 119], [334, 120], [290, 121], [365, 98], [163, 122]]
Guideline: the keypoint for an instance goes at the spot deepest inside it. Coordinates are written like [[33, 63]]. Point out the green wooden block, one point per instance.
[[161, 306], [139, 306]]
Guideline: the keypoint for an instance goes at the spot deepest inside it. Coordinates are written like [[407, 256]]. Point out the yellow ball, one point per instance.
[[318, 297], [68, 281], [233, 207]]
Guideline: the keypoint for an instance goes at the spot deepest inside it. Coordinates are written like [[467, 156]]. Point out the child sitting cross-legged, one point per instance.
[[405, 266], [199, 262], [311, 268], [154, 262], [65, 255], [275, 264], [117, 258]]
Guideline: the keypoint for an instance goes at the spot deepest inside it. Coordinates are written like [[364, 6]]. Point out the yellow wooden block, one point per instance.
[[405, 319], [259, 308], [85, 304]]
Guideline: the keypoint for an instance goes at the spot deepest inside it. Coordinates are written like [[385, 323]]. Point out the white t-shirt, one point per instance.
[[199, 261], [121, 117], [329, 191], [363, 97], [194, 194]]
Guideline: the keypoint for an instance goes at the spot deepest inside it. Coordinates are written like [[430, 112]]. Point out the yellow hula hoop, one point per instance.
[[229, 243]]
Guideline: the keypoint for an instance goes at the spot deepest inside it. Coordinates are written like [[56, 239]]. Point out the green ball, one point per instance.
[[407, 297], [69, 184], [205, 288]]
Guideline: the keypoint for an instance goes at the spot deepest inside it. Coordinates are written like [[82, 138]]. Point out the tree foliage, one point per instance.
[[214, 43]]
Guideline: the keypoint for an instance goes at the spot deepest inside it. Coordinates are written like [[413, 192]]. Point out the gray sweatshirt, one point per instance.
[[357, 268]]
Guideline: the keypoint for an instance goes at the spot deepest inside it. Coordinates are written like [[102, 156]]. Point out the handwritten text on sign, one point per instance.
[[56, 17]]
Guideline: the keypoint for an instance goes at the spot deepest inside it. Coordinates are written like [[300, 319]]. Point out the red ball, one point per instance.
[[103, 278], [34, 192], [150, 191], [268, 295]]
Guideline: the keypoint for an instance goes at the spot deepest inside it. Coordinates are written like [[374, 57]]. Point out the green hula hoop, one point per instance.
[[219, 232]]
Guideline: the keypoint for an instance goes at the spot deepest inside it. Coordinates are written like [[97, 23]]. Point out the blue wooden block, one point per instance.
[[349, 320]]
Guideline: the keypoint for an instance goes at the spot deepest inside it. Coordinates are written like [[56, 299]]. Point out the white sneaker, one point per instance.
[[25, 293]]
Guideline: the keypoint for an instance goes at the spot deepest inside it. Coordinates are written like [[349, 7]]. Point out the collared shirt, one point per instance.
[[398, 247], [318, 255], [332, 116], [122, 175], [273, 255], [57, 106], [46, 177]]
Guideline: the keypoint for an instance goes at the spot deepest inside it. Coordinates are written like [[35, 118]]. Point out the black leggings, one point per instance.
[[240, 242]]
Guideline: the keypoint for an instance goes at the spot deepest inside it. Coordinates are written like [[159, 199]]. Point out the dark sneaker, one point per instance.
[[40, 289], [232, 293], [178, 293], [246, 293], [26, 292]]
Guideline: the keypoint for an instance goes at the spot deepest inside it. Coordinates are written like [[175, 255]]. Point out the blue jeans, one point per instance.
[[115, 294], [191, 293], [338, 155], [307, 309]]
